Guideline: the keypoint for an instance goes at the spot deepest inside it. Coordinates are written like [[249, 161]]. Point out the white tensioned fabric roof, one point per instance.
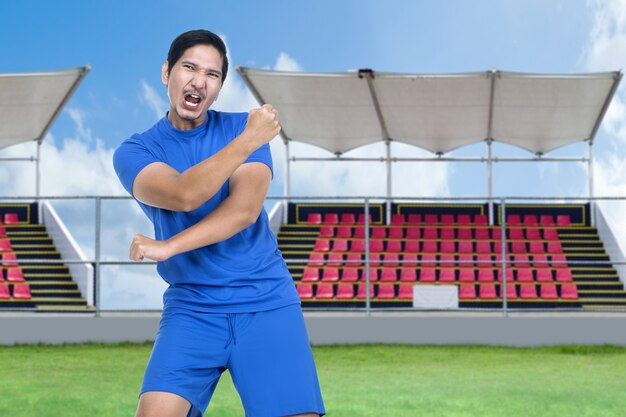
[[30, 102], [342, 111]]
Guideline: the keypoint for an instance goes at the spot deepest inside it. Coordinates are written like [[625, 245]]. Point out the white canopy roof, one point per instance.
[[342, 111], [31, 102]]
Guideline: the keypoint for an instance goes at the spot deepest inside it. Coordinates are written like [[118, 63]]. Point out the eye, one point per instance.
[[214, 75], [188, 67]]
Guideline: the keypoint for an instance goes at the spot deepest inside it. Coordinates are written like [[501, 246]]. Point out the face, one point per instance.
[[193, 85]]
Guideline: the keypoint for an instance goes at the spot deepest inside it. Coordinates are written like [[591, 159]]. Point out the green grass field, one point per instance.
[[368, 380]]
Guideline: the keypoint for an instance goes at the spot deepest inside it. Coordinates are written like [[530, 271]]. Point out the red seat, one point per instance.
[[376, 245], [394, 246], [484, 261], [335, 259], [21, 291], [533, 234], [430, 247], [555, 247], [513, 220], [414, 218], [396, 232], [305, 291], [345, 291], [544, 275], [391, 260], [498, 261], [482, 234], [518, 247], [429, 260], [361, 218], [310, 275], [483, 247], [343, 232], [525, 275], [379, 232], [397, 219], [409, 259], [464, 220], [340, 245], [413, 233], [481, 220], [431, 219], [569, 292], [347, 218], [11, 218], [537, 247], [9, 259], [516, 234], [325, 292], [314, 218], [466, 246], [496, 233], [485, 275], [361, 292], [408, 275], [354, 259], [511, 292], [428, 275], [374, 259], [405, 292], [466, 261], [530, 220], [521, 261], [546, 220], [563, 220], [431, 233], [467, 275], [563, 275], [357, 246], [447, 233], [467, 292], [412, 246], [528, 292], [548, 292], [322, 245], [388, 275], [550, 234], [316, 259], [330, 275], [487, 292], [327, 231], [465, 234], [386, 292], [4, 292], [331, 218], [559, 261], [5, 245], [359, 232], [540, 261], [3, 232], [447, 260], [447, 246], [448, 275], [350, 275], [373, 275], [447, 219]]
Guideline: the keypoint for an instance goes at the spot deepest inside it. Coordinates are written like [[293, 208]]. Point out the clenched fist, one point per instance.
[[143, 247], [263, 124]]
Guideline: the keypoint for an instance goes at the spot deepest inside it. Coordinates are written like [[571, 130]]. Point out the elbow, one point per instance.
[[249, 217], [187, 202]]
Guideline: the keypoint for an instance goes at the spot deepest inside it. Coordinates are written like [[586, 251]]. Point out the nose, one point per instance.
[[198, 81]]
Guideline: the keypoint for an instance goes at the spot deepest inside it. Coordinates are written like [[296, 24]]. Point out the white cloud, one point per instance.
[[286, 63], [154, 101]]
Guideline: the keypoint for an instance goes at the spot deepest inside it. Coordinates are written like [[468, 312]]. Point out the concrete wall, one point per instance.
[[435, 328]]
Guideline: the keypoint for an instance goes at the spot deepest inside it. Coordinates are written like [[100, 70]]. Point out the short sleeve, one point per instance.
[[129, 159]]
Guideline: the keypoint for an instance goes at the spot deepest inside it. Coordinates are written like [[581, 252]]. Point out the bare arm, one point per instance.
[[160, 185], [248, 187]]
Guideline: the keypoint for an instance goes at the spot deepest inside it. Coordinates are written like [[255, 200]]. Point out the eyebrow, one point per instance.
[[209, 70]]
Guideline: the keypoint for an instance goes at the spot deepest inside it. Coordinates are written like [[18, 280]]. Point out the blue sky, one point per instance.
[[126, 42]]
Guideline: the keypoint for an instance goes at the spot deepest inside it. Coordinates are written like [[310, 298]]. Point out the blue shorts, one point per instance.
[[267, 354]]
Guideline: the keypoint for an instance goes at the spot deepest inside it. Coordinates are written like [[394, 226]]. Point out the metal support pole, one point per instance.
[[504, 259], [490, 182], [38, 181], [286, 184], [97, 256], [388, 162], [366, 225], [592, 203]]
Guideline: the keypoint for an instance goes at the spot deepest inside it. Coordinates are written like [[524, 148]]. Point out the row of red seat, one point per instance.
[[405, 292], [12, 274], [463, 260], [20, 291], [563, 220], [431, 246], [401, 232], [428, 274], [10, 219], [9, 259]]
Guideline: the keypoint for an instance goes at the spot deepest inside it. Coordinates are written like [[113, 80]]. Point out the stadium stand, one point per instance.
[[547, 247], [28, 284]]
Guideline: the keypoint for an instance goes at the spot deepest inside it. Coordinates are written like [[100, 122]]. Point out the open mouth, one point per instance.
[[192, 100]]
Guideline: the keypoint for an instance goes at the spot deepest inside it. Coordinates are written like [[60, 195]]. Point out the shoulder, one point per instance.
[[235, 120]]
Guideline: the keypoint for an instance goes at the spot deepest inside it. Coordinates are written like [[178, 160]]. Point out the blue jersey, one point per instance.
[[244, 273]]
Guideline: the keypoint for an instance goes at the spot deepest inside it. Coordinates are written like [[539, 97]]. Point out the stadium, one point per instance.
[[415, 305]]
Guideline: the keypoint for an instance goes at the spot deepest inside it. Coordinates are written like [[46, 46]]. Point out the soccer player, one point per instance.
[[201, 177]]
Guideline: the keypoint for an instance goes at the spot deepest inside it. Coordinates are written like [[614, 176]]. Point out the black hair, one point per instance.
[[192, 38]]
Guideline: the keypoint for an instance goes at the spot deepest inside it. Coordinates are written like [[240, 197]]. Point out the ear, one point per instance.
[[164, 73]]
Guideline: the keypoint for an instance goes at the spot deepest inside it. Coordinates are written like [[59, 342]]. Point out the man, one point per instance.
[[201, 177]]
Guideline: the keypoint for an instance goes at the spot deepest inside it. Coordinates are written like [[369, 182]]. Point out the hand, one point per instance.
[[263, 124], [143, 247]]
